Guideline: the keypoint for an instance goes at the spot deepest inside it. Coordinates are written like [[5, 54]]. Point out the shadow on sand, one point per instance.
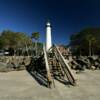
[[39, 74], [63, 81], [39, 78], [36, 74]]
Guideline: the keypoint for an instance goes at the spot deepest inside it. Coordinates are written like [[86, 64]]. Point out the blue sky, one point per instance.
[[66, 16]]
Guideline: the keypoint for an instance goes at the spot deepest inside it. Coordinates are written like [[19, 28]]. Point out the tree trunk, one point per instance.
[[89, 48], [80, 53], [93, 51], [26, 49], [14, 52], [36, 48]]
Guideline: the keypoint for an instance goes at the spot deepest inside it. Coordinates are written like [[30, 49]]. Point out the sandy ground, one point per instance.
[[19, 85]]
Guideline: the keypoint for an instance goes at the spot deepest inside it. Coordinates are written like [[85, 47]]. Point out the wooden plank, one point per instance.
[[49, 77], [65, 66]]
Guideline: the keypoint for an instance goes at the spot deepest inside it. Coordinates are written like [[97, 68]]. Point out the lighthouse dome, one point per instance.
[[48, 24]]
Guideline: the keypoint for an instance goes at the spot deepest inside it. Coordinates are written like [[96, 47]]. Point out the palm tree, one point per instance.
[[36, 36], [94, 42], [91, 39]]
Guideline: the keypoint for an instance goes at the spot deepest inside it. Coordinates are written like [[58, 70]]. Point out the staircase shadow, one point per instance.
[[36, 74], [63, 81], [40, 79]]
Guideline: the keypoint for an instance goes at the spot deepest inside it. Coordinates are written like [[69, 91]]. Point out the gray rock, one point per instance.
[[3, 67]]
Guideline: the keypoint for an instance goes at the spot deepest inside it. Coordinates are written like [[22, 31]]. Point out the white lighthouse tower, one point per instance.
[[48, 36]]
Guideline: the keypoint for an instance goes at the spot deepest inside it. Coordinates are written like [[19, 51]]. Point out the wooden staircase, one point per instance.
[[54, 66]]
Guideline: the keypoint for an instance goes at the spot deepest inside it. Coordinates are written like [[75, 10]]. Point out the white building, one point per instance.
[[48, 36]]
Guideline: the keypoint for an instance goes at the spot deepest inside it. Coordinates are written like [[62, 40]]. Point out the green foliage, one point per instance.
[[35, 35], [13, 39], [86, 41]]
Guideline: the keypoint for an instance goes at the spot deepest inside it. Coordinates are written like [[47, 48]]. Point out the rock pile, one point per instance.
[[11, 63], [83, 62]]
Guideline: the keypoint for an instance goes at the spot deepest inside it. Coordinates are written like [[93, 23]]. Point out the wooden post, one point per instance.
[[49, 78]]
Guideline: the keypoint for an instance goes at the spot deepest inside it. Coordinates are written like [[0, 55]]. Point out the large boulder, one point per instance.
[[4, 67]]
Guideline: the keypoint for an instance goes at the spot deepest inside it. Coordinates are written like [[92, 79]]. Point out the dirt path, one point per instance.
[[19, 85]]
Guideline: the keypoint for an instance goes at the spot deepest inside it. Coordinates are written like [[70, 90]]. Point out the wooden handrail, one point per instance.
[[66, 67], [47, 66]]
